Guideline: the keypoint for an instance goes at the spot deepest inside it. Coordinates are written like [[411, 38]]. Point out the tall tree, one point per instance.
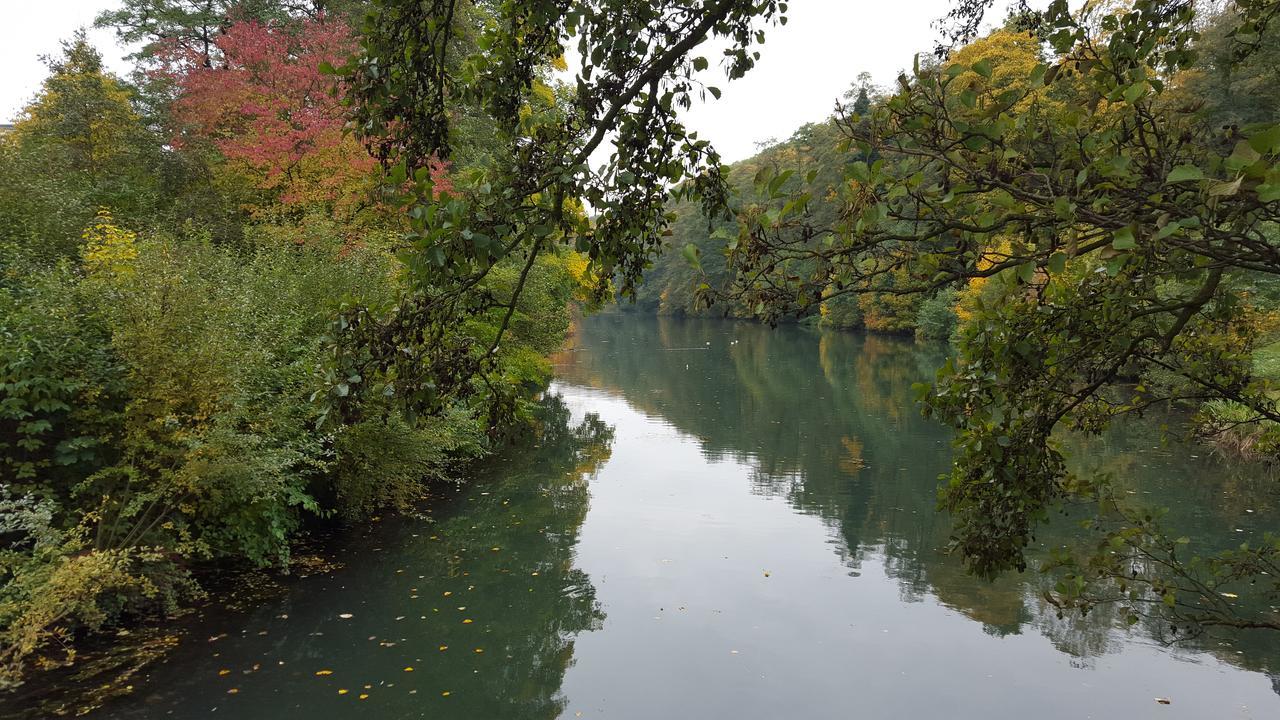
[[193, 26], [83, 123], [415, 76]]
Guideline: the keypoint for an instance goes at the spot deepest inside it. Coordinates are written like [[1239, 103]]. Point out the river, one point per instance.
[[720, 521]]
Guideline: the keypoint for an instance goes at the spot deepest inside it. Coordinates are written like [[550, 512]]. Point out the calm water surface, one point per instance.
[[721, 521]]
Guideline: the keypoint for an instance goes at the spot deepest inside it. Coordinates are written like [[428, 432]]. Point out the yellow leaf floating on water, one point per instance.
[[446, 693], [443, 648], [343, 691], [233, 691], [346, 616], [479, 650], [364, 695], [224, 672], [447, 593], [409, 669], [467, 621], [1232, 596], [324, 672]]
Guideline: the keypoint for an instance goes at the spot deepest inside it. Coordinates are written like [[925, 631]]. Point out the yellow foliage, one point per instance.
[[967, 301], [109, 248]]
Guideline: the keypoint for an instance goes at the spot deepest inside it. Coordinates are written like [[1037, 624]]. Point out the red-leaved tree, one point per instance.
[[266, 106]]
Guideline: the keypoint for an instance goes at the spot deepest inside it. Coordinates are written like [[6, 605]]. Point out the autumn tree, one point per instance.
[[82, 122], [271, 113]]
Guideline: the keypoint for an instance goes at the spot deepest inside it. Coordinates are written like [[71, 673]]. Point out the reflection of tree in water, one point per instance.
[[483, 604], [827, 421], [538, 602]]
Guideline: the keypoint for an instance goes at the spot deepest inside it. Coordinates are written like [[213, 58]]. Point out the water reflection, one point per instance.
[[484, 606], [826, 421]]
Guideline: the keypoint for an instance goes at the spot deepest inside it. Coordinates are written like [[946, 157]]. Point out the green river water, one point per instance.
[[721, 521]]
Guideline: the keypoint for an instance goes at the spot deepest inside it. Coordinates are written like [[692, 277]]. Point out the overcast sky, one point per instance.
[[804, 67]]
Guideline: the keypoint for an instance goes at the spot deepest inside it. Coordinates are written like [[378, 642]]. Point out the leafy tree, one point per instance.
[[194, 26], [271, 113], [1113, 223], [415, 73], [78, 145]]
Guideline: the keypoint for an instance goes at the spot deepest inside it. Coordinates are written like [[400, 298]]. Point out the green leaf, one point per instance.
[[691, 253], [1057, 263], [1266, 141], [715, 91], [1135, 91], [1027, 272], [1123, 239], [983, 67], [1185, 173]]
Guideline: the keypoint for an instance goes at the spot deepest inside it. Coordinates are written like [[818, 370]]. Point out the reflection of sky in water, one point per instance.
[[758, 541]]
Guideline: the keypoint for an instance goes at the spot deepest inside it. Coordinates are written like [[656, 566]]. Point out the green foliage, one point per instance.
[[166, 396], [937, 317], [62, 389], [1102, 229], [81, 145], [386, 463], [424, 65]]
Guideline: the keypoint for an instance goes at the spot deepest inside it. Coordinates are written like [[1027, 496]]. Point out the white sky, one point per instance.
[[804, 66]]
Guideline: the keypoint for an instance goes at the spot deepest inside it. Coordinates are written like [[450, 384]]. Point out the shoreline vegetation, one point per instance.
[[176, 387], [305, 268]]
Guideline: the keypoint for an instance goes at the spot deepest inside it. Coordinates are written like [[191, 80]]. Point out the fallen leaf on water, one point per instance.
[[1230, 595], [233, 691], [343, 691], [1164, 701], [467, 621], [766, 573], [324, 672], [346, 616], [479, 650], [364, 695], [224, 672], [446, 693], [447, 593], [444, 647], [409, 669]]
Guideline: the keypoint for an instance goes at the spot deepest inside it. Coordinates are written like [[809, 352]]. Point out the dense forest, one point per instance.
[[308, 262]]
